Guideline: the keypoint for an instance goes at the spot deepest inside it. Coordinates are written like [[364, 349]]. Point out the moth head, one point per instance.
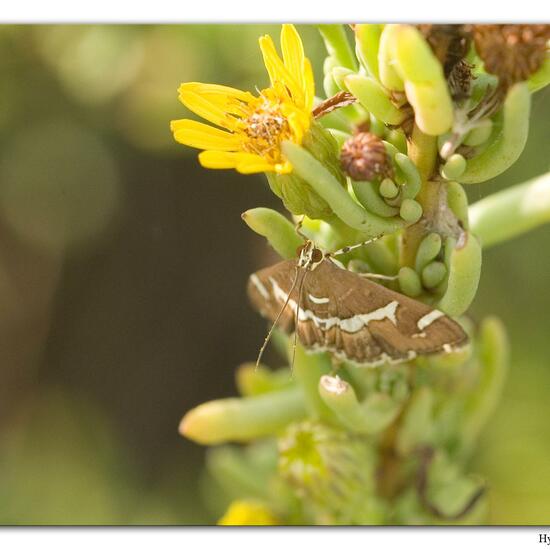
[[309, 256]]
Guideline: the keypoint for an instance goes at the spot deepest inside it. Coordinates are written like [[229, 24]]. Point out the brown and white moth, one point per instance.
[[333, 309]]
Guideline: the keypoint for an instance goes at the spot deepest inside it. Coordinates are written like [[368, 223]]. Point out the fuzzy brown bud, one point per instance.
[[364, 157], [511, 52]]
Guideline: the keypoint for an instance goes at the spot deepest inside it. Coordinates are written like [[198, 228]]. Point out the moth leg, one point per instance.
[[298, 228], [297, 320], [379, 276], [268, 337], [347, 249]]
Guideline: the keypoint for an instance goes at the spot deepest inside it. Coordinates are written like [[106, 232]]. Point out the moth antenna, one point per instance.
[[296, 321], [268, 337], [347, 249], [379, 276], [298, 227]]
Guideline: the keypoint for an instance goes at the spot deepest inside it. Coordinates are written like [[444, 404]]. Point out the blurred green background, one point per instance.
[[122, 280]]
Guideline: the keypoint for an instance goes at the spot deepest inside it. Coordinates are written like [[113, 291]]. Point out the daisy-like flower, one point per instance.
[[252, 128]]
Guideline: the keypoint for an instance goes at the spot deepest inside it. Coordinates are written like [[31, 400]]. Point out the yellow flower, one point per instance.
[[252, 127], [248, 512]]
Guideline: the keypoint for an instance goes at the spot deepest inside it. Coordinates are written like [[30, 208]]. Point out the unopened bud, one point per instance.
[[364, 158]]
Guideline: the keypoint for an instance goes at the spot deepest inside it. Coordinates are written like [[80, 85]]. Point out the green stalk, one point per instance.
[[511, 212], [307, 370], [338, 46]]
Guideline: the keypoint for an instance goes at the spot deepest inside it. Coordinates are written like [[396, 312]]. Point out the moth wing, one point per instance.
[[364, 322], [350, 316], [268, 289]]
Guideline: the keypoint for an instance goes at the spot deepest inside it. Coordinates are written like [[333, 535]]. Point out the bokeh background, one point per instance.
[[122, 280]]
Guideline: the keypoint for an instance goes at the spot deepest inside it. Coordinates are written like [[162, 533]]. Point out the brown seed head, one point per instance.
[[511, 52], [364, 157], [450, 43]]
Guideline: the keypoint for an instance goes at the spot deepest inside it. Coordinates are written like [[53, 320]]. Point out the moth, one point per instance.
[[330, 308]]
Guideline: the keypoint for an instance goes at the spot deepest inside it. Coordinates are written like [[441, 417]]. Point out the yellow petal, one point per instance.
[[267, 47], [276, 69], [218, 159], [293, 53], [243, 162], [226, 98], [199, 135], [296, 127], [309, 85], [216, 90], [206, 109], [254, 166], [299, 120]]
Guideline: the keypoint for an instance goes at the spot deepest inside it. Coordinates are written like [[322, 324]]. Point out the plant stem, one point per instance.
[[307, 371], [422, 150], [511, 212]]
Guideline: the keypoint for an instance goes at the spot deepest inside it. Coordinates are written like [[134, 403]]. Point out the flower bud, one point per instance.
[[427, 251], [388, 189], [454, 167], [433, 274], [410, 211], [364, 157], [480, 133], [409, 282], [298, 196]]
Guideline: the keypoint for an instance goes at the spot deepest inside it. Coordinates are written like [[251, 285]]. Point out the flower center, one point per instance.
[[266, 127]]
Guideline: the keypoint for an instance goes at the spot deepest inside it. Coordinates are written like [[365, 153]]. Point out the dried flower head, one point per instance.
[[450, 43], [364, 157], [511, 52]]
